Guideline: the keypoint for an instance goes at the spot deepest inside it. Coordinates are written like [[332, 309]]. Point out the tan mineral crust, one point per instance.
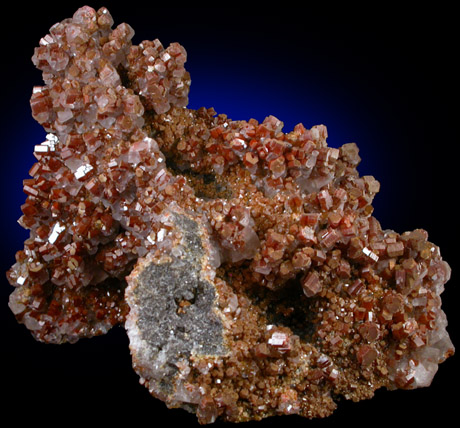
[[243, 261]]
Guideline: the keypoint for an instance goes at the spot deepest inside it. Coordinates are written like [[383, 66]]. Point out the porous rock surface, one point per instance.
[[244, 261]]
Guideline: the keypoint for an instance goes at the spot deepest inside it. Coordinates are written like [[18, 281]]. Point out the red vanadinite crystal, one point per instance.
[[272, 232]]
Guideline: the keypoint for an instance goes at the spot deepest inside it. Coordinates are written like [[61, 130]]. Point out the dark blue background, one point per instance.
[[384, 79]]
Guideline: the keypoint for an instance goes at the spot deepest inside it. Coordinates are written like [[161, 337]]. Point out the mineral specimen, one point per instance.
[[243, 261]]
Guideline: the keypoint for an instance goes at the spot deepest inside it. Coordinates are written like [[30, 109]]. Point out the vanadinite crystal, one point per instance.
[[243, 261]]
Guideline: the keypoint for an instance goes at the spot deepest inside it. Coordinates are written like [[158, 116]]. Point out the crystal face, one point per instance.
[[243, 261]]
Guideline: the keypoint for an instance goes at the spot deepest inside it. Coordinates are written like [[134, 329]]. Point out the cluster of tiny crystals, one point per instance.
[[315, 299]]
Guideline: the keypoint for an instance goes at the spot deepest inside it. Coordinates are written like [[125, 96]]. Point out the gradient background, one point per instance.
[[382, 78]]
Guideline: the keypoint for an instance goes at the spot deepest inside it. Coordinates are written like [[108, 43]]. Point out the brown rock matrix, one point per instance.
[[243, 261]]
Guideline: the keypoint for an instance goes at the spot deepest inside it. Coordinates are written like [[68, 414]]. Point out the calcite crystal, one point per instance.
[[243, 261]]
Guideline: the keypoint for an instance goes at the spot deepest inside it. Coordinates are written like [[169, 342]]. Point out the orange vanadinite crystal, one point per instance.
[[244, 262]]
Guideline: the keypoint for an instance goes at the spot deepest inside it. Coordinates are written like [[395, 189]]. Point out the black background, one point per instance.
[[382, 77]]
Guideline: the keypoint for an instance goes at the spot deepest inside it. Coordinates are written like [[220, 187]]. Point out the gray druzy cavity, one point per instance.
[[172, 311]]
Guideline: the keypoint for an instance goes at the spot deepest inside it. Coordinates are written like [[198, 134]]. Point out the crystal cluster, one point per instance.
[[243, 261]]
